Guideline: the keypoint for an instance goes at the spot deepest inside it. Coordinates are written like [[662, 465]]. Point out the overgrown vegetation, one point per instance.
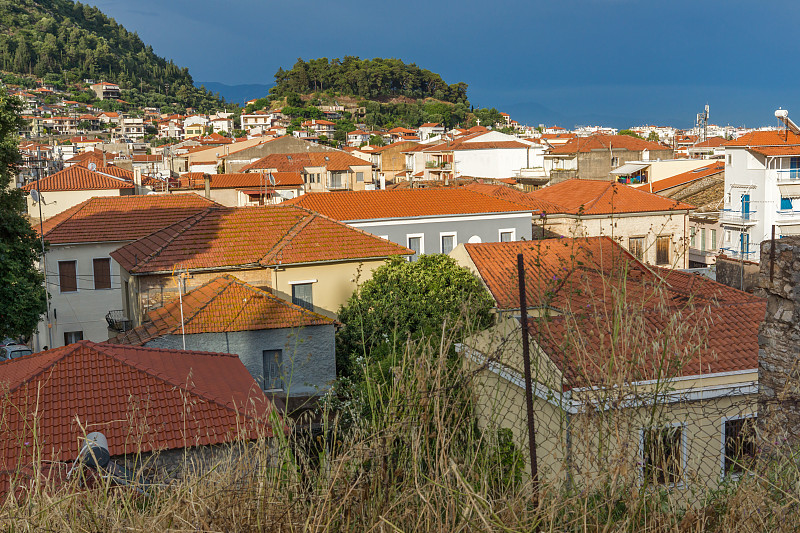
[[65, 42]]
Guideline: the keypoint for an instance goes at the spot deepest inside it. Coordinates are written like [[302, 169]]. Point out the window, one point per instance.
[[661, 455], [273, 369], [359, 176], [662, 249], [713, 239], [636, 247], [102, 273], [301, 295], [739, 444], [448, 242], [71, 337], [416, 244], [729, 159], [319, 177], [744, 244], [693, 237], [68, 276], [615, 161], [507, 235], [786, 203], [703, 239]]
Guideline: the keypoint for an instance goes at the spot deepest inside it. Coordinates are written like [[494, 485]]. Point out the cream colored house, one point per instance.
[[300, 256], [322, 171], [653, 228], [623, 385]]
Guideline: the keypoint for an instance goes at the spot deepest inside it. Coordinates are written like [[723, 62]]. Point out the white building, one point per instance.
[[762, 189]]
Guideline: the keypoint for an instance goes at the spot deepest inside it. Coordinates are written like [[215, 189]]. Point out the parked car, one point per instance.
[[13, 351]]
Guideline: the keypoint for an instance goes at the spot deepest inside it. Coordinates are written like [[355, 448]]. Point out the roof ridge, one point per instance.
[[197, 216], [33, 376], [287, 237], [152, 372]]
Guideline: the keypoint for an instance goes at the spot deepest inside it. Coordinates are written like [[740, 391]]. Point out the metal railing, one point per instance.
[[117, 321], [737, 217]]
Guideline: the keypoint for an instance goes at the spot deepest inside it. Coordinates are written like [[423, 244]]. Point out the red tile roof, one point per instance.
[[196, 180], [430, 125], [78, 178], [333, 160], [606, 142], [711, 142], [224, 304], [141, 399], [515, 195], [598, 197], [121, 218], [683, 178], [399, 203], [252, 237], [766, 138]]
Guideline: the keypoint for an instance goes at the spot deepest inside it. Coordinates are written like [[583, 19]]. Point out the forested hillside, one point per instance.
[[367, 78], [66, 42]]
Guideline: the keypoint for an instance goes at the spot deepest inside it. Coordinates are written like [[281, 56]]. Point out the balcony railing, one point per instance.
[[117, 321], [789, 182], [737, 218]]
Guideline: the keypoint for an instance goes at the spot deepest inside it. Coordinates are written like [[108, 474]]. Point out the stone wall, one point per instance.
[[779, 336], [742, 275]]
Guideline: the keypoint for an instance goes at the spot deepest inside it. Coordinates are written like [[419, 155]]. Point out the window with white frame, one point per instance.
[[507, 235], [302, 294], [738, 444], [447, 241], [662, 456], [416, 242]]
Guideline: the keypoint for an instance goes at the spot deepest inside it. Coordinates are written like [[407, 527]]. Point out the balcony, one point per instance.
[[117, 321], [729, 217], [789, 183]]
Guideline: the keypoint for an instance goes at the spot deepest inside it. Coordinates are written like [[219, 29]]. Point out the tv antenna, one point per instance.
[[702, 123]]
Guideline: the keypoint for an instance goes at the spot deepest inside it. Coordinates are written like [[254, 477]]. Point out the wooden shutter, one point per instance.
[[662, 250], [102, 273], [68, 276]]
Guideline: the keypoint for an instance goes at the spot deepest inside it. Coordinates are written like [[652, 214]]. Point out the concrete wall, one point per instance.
[[742, 275], [597, 163], [623, 227], [485, 227], [496, 163], [309, 355], [84, 310]]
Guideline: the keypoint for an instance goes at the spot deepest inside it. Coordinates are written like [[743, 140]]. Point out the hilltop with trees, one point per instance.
[[65, 42]]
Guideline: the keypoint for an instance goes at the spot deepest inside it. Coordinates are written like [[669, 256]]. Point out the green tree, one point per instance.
[[630, 133], [21, 283], [653, 137], [376, 140], [408, 300]]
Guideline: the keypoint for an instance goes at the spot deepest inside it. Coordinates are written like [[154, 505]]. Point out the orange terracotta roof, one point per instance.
[[569, 274], [296, 162], [400, 203], [711, 142], [766, 138], [100, 386], [683, 178], [224, 304], [604, 142], [239, 180], [600, 197], [78, 178], [146, 158], [430, 125], [515, 195], [121, 218], [251, 237]]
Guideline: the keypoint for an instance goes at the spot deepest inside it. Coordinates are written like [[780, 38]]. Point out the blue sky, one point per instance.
[[610, 62]]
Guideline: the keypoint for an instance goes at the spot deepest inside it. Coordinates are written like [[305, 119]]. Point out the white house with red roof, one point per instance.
[[762, 190], [430, 130]]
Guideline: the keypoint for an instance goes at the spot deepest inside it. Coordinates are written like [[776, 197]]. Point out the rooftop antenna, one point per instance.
[[702, 123]]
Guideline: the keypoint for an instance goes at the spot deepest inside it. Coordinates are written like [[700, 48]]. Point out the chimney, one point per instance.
[[207, 182], [137, 179], [779, 350]]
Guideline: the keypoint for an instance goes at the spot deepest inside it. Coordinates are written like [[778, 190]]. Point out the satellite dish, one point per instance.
[[35, 196], [271, 180], [92, 166]]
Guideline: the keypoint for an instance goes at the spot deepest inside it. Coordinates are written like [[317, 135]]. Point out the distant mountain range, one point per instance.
[[238, 94]]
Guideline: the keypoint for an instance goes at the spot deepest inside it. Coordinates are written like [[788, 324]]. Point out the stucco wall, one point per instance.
[[622, 227], [486, 227], [309, 362], [84, 310], [597, 163]]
